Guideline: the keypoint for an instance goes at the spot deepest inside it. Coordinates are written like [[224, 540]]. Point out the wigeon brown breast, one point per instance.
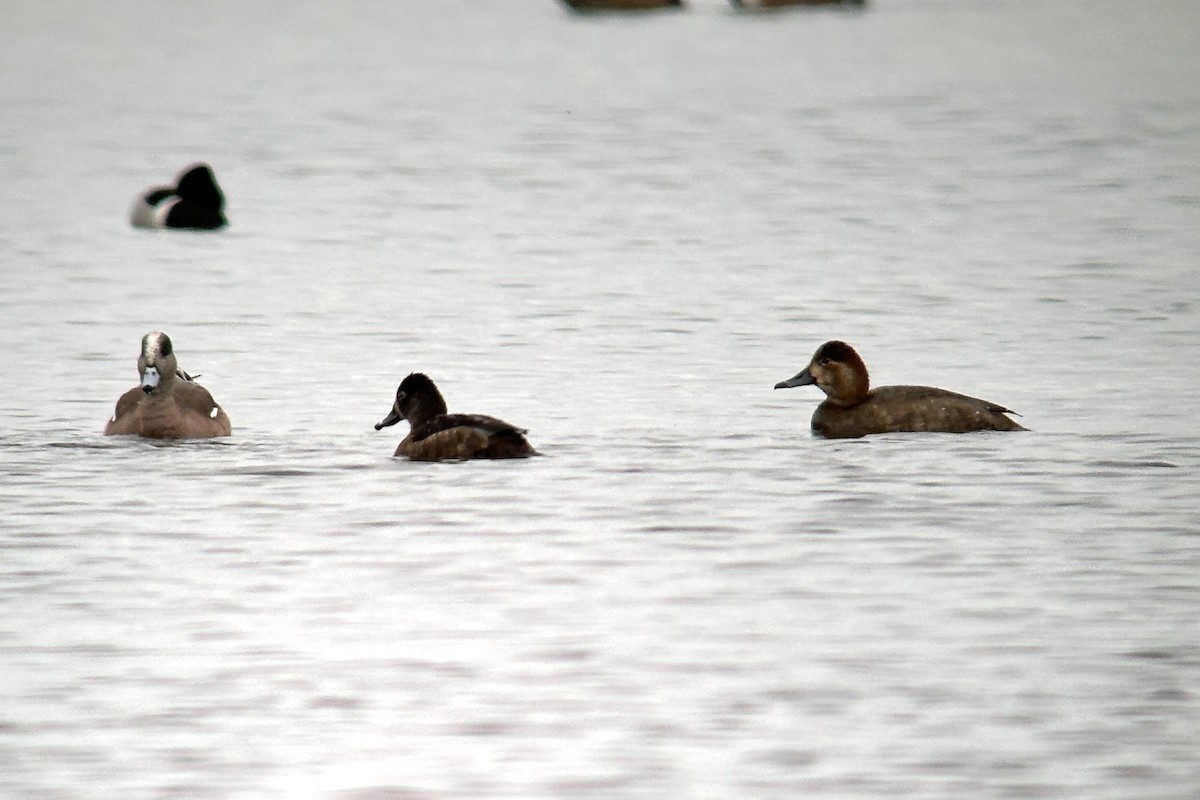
[[852, 409], [168, 403], [435, 435]]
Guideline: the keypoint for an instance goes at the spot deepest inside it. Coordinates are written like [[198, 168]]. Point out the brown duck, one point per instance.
[[168, 403], [435, 435], [852, 409]]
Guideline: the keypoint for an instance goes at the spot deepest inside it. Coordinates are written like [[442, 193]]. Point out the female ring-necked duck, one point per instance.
[[852, 409], [621, 5], [168, 404], [435, 435], [195, 202]]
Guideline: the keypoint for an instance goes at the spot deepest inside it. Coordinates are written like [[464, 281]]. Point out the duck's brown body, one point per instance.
[[852, 409], [436, 435], [184, 412], [895, 409], [454, 437], [168, 404]]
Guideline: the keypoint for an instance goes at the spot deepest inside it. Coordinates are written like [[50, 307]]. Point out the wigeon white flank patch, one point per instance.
[[213, 414]]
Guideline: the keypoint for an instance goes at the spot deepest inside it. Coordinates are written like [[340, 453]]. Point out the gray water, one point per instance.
[[619, 233]]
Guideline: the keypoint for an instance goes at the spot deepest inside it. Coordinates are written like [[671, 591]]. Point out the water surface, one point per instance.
[[619, 233]]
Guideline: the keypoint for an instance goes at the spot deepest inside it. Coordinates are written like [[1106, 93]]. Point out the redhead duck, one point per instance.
[[194, 202], [168, 404], [851, 408], [435, 435], [621, 5]]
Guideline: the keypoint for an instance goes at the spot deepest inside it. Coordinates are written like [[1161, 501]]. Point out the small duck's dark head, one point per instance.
[[198, 185], [837, 370], [417, 400]]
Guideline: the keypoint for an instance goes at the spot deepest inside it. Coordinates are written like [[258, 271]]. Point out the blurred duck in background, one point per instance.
[[195, 202]]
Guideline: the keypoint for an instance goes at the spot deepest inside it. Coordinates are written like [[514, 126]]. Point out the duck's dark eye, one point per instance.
[[824, 362]]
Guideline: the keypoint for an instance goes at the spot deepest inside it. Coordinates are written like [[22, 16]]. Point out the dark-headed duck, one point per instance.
[[194, 202], [621, 5], [168, 404], [851, 408], [435, 435]]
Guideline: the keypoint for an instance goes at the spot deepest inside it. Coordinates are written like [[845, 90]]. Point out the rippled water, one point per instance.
[[619, 233]]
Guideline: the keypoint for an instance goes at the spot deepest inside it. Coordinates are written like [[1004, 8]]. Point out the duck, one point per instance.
[[621, 5], [435, 435], [852, 408], [195, 202], [168, 403]]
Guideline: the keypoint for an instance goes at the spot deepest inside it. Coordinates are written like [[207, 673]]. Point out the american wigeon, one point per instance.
[[168, 404], [435, 435], [851, 408], [195, 202], [621, 5]]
